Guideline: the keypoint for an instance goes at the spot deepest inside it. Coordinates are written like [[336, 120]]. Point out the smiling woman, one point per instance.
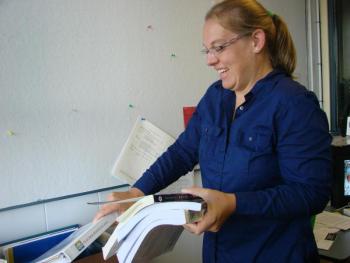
[[262, 142]]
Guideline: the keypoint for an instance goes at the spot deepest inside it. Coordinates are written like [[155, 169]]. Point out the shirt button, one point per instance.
[[241, 107], [250, 139]]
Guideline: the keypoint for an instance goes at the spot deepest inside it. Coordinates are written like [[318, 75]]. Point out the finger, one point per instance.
[[101, 213], [188, 227], [105, 210], [192, 228], [202, 226], [98, 216]]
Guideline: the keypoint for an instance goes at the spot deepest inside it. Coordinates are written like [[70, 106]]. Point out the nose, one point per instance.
[[211, 59]]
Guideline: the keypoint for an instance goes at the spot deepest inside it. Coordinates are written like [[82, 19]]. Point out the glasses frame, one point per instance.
[[216, 50]]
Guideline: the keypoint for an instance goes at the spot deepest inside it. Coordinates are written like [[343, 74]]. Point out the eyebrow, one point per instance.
[[214, 42], [217, 41]]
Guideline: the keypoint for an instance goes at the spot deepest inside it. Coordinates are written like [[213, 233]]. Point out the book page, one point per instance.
[[145, 144], [333, 220], [132, 210], [159, 210]]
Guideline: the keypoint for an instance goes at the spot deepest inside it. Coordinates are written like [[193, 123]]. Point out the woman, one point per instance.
[[261, 140]]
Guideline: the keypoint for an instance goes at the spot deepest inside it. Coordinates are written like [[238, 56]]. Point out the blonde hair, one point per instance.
[[245, 16]]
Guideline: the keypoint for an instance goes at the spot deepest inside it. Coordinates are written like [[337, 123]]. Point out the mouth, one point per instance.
[[222, 71]]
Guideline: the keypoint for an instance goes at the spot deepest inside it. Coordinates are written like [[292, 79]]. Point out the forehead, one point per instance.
[[214, 32]]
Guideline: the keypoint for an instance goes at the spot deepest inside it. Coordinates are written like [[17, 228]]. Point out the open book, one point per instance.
[[146, 142], [67, 250], [147, 230]]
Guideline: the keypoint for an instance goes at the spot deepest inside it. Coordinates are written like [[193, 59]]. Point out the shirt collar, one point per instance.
[[267, 81], [262, 86]]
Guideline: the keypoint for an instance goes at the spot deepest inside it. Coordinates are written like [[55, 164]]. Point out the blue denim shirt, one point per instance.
[[274, 154]]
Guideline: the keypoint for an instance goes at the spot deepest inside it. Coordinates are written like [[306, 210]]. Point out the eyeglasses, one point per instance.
[[216, 50]]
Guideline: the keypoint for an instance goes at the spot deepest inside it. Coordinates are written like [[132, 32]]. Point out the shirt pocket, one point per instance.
[[262, 163], [209, 141], [258, 141]]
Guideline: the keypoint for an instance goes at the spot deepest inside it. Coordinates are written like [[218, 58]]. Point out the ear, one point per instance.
[[259, 40]]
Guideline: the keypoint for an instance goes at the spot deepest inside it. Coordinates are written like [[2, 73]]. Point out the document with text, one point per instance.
[[144, 145]]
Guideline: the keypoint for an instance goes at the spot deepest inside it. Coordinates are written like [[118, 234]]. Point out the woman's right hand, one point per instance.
[[119, 208]]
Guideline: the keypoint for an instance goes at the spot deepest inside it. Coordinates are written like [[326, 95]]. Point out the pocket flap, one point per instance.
[[211, 130], [257, 140]]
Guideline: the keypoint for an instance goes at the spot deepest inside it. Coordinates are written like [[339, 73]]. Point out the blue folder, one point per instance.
[[27, 249]]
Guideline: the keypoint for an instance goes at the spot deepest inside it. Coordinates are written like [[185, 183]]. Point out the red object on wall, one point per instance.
[[187, 112]]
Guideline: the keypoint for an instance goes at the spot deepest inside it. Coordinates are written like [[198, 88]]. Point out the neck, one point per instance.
[[261, 69]]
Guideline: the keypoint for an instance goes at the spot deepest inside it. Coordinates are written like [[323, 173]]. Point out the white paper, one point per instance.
[[333, 220], [144, 145], [320, 233]]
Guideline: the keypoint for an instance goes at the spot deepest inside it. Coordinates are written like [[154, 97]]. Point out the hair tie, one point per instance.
[[269, 13]]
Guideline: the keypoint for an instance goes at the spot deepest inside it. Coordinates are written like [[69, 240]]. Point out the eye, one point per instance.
[[205, 51], [218, 49]]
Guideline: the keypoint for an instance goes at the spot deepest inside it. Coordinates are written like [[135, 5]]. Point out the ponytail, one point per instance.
[[282, 50]]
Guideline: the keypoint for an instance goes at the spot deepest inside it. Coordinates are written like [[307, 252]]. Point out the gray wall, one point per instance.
[[70, 69]]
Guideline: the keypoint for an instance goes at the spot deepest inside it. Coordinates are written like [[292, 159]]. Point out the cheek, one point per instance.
[[241, 57], [235, 61]]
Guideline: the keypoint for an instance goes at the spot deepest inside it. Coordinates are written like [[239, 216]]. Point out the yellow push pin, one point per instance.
[[10, 133]]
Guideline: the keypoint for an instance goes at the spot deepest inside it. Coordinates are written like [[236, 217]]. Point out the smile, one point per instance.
[[222, 70]]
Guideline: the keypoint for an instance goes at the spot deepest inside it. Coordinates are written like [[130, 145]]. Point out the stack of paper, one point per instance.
[[326, 226], [145, 232]]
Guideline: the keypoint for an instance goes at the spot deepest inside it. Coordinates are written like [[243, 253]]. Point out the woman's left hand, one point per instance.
[[220, 206]]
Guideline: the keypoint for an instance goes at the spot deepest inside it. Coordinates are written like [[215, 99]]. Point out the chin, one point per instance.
[[227, 85]]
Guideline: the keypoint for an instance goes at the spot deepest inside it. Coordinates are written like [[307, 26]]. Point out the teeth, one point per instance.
[[222, 70]]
